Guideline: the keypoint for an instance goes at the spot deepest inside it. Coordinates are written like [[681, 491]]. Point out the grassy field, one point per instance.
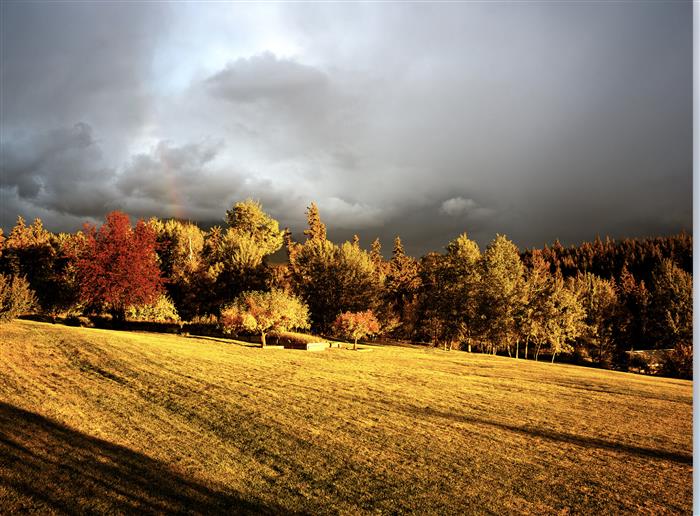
[[96, 421]]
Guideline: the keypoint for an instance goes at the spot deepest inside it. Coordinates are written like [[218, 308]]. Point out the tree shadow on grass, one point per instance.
[[583, 441], [47, 467], [541, 433]]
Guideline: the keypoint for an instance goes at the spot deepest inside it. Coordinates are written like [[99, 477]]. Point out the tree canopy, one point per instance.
[[117, 265], [263, 312]]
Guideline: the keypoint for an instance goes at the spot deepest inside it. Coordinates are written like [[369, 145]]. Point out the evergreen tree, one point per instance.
[[631, 331], [402, 287], [317, 229], [375, 255]]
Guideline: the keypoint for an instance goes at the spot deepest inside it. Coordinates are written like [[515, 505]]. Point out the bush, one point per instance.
[[639, 362], [16, 298], [79, 320], [162, 310], [291, 337], [678, 362]]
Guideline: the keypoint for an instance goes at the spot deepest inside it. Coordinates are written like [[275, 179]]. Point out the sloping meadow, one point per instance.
[[97, 420]]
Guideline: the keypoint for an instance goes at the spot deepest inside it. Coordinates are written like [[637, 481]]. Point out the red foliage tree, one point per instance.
[[117, 265]]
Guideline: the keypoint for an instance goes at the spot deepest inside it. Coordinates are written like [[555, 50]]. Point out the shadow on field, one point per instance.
[[542, 433], [46, 466]]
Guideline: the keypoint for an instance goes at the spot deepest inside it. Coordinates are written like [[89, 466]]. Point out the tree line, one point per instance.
[[593, 302]]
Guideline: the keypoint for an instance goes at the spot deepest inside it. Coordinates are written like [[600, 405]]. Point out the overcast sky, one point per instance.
[[537, 120]]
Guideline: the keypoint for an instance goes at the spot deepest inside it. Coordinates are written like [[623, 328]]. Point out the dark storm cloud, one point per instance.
[[58, 170], [562, 120], [66, 62], [538, 120], [265, 77]]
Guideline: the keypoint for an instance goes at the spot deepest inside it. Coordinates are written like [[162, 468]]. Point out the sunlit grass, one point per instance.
[[98, 420]]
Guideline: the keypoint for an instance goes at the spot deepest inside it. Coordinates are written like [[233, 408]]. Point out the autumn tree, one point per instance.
[[671, 307], [16, 297], [356, 325], [502, 292], [330, 278], [535, 310], [234, 258], [264, 312], [45, 260], [565, 318], [449, 293], [180, 250], [599, 299], [117, 265], [463, 282]]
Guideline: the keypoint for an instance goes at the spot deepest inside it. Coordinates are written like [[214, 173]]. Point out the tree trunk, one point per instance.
[[553, 355], [354, 346], [517, 349], [262, 339], [118, 317], [527, 341], [469, 345], [537, 352]]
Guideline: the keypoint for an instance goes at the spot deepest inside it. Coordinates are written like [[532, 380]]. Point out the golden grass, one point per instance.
[[96, 420]]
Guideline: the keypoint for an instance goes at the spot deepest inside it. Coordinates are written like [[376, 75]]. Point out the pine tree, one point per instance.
[[376, 254], [633, 322], [402, 286], [317, 229]]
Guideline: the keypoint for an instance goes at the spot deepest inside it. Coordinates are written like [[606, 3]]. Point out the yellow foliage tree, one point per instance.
[[264, 312]]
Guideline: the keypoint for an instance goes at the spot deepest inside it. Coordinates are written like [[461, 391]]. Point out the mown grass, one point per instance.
[[97, 420]]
